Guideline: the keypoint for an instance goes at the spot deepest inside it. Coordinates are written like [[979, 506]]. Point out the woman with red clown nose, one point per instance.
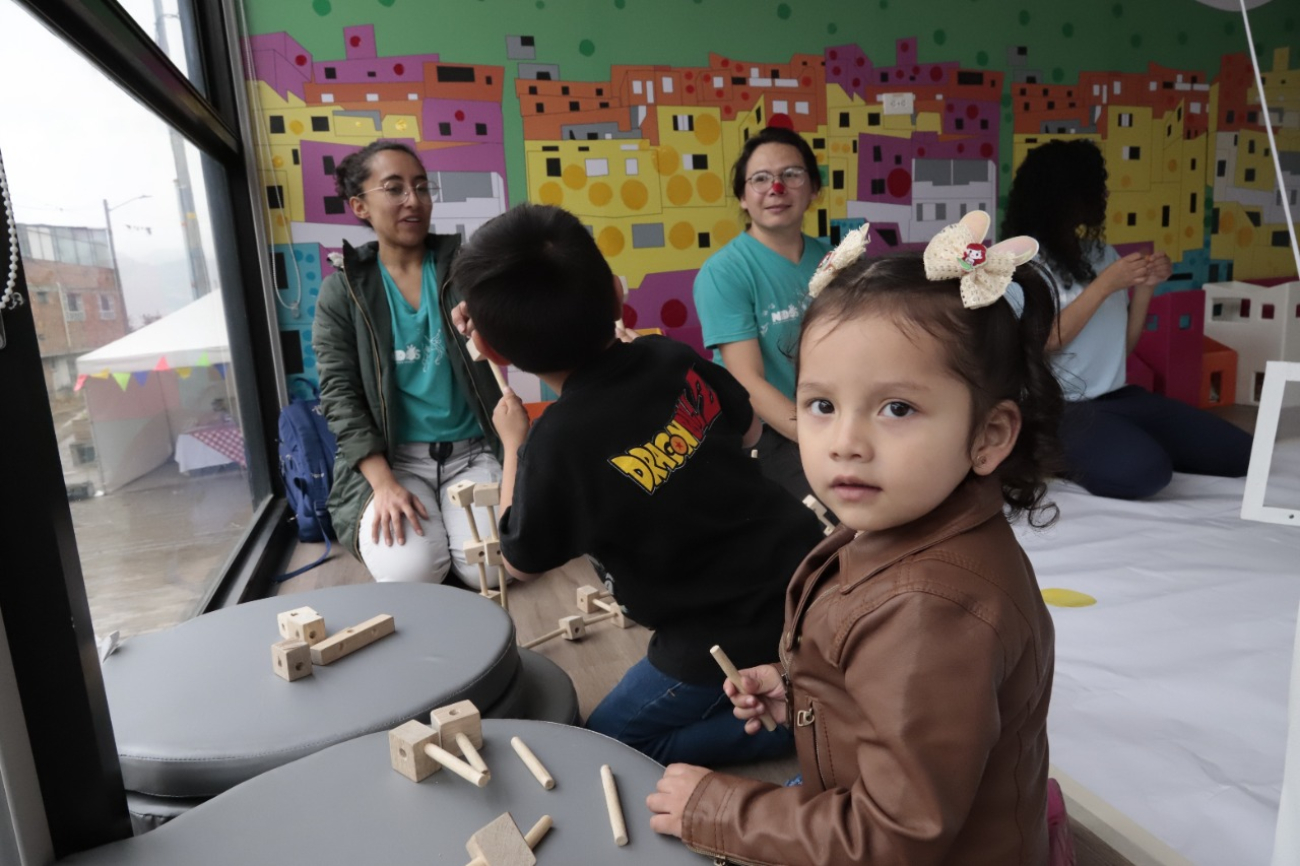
[[751, 294]]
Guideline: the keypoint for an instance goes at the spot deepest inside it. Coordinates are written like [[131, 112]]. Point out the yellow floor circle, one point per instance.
[[1067, 598]]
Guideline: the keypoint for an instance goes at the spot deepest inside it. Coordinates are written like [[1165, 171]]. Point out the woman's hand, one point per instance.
[[1158, 269], [1124, 273], [671, 795], [764, 692], [511, 420], [393, 503], [624, 334]]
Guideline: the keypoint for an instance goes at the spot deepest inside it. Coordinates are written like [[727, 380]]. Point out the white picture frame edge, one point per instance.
[[1276, 375]]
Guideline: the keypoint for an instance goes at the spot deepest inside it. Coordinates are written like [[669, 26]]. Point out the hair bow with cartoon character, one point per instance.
[[849, 250], [985, 272]]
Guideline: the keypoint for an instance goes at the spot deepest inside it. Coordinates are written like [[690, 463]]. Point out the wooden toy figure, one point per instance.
[[414, 752], [477, 549], [460, 731]]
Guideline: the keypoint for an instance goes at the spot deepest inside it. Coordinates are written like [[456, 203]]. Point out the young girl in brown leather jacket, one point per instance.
[[917, 657]]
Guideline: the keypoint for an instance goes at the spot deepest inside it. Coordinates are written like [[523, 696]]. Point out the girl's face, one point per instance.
[[396, 222], [884, 425], [779, 208]]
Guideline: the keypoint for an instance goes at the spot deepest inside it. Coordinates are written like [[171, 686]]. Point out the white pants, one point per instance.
[[427, 558]]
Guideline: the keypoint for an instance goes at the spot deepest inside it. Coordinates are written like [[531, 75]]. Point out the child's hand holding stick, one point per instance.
[[748, 705]]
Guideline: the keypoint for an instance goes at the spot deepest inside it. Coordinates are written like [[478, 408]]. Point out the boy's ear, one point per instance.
[[487, 351], [996, 438]]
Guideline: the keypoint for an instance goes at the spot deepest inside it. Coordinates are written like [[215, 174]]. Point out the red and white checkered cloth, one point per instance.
[[225, 439]]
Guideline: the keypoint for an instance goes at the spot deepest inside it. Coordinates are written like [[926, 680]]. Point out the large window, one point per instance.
[[138, 380], [112, 207]]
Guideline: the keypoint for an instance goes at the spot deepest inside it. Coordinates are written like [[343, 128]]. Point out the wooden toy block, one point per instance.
[[301, 623], [575, 627], [616, 822], [820, 510], [501, 844], [487, 493], [462, 493], [291, 659], [349, 640], [406, 751], [540, 773], [461, 717], [476, 552], [414, 752], [587, 597], [728, 668], [531, 838]]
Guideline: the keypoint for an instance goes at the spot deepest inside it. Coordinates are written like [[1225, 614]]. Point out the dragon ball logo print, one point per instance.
[[651, 463]]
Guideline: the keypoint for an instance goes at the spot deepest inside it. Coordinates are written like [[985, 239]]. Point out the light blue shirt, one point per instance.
[[432, 408], [745, 291], [1095, 362]]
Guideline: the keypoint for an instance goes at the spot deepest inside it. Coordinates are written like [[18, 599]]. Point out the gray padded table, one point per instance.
[[197, 709], [346, 805]]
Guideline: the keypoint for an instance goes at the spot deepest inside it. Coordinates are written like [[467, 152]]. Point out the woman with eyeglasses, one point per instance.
[[411, 412], [751, 294]]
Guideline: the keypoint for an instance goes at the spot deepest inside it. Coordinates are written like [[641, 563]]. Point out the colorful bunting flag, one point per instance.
[[81, 380], [184, 372], [102, 374], [203, 361], [141, 376], [221, 368], [162, 365], [123, 379]]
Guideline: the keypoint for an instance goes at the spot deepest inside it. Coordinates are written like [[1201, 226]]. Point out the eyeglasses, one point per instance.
[[398, 193], [792, 177]]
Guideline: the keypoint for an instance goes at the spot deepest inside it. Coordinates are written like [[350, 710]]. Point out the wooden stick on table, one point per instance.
[[729, 669], [616, 822], [544, 778]]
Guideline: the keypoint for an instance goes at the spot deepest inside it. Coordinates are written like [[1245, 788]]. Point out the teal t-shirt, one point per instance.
[[745, 292], [432, 408]]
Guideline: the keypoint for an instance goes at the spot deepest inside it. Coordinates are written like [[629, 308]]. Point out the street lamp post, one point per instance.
[[112, 251]]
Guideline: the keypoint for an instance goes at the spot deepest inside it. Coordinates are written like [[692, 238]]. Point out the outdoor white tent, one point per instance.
[[145, 389]]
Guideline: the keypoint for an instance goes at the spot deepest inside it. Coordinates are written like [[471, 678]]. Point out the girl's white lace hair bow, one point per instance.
[[985, 272], [849, 251]]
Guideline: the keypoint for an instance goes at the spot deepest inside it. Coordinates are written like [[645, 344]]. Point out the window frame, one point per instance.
[[47, 620]]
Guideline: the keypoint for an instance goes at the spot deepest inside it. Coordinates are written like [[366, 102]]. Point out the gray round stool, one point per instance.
[[197, 709], [346, 805]]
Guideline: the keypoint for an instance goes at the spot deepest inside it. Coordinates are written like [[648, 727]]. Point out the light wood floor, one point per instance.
[[594, 664]]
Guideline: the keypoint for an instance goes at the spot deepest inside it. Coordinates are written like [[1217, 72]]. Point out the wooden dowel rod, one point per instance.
[[543, 638], [616, 822], [545, 779], [471, 754], [734, 675], [456, 765]]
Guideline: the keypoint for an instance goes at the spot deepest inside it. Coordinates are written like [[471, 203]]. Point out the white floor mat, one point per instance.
[[1170, 697]]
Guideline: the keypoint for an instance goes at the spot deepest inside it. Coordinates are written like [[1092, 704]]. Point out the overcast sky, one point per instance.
[[71, 138]]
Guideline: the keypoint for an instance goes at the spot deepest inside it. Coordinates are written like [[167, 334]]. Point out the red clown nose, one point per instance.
[[778, 188]]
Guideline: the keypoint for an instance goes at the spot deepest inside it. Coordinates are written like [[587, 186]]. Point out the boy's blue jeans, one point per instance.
[[670, 720]]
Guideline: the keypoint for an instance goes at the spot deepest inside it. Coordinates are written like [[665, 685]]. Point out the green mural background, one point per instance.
[[587, 37]]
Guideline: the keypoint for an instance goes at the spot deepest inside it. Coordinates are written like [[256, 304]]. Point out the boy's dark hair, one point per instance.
[[774, 135], [998, 356], [538, 289], [1060, 187], [350, 174]]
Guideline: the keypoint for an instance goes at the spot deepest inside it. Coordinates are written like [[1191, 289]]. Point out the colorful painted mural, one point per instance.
[[911, 130]]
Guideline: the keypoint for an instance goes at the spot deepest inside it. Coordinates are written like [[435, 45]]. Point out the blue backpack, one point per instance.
[[307, 467]]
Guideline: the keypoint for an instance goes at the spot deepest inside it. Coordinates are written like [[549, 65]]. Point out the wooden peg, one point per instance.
[[820, 510], [531, 838], [569, 628], [476, 553], [614, 609], [301, 623], [616, 822], [414, 752], [476, 355], [349, 640], [724, 662], [544, 778], [291, 659]]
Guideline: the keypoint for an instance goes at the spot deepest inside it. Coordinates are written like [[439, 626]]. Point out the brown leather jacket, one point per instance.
[[919, 664]]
